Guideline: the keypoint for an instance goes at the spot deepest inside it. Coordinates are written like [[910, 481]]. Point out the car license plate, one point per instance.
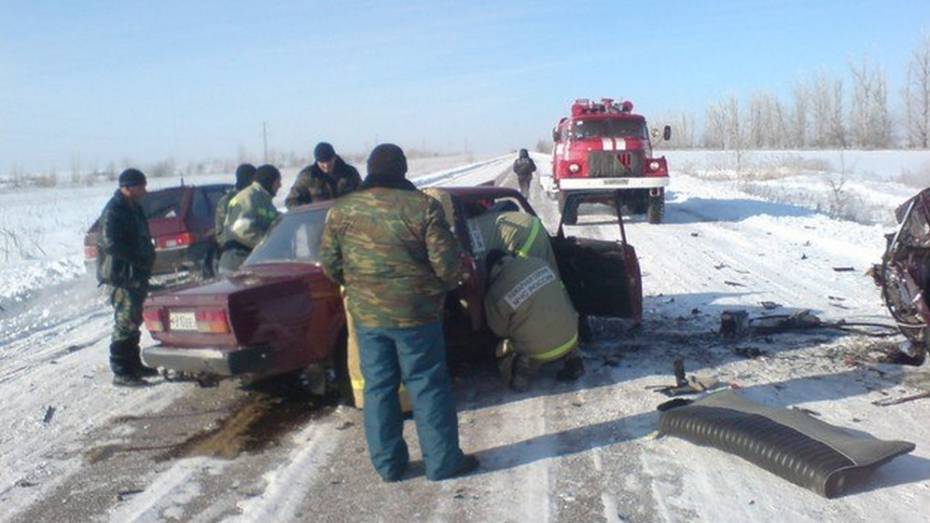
[[182, 321], [617, 181]]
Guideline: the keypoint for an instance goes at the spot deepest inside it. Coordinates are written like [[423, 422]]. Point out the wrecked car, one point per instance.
[[181, 222], [279, 314], [904, 274]]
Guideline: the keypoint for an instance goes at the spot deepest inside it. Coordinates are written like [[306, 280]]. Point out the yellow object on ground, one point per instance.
[[355, 372]]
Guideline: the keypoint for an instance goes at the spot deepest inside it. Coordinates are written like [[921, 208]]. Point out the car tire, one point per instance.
[[572, 217], [656, 209]]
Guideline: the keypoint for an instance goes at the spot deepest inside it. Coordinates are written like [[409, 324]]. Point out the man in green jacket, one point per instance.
[[389, 245], [251, 213], [245, 173], [125, 256], [527, 305]]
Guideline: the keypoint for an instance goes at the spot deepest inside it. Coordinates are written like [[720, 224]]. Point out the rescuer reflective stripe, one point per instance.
[[529, 286], [477, 239], [534, 232], [557, 352]]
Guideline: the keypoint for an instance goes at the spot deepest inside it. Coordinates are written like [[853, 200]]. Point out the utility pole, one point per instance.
[[265, 140]]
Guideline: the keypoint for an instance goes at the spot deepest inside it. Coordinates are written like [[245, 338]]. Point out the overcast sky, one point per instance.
[[108, 81]]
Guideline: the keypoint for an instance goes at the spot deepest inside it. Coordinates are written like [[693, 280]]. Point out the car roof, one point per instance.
[[186, 187], [479, 192]]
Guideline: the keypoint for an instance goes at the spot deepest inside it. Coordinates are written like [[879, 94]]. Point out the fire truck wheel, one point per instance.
[[572, 217], [656, 210]]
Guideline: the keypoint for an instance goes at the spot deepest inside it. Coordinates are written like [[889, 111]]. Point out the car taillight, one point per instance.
[[653, 165], [152, 319], [574, 167], [90, 251], [212, 321], [175, 240]]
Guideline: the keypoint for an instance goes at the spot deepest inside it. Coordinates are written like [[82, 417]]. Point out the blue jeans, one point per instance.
[[416, 356]]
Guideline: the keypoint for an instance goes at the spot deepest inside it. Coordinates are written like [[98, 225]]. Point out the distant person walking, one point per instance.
[[329, 177], [524, 167], [390, 246], [251, 213], [125, 256]]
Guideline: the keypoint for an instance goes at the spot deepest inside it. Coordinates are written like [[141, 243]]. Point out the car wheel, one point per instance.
[[656, 211], [571, 217]]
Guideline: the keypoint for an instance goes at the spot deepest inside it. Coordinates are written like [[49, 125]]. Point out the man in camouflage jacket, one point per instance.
[[125, 256], [245, 173], [389, 245], [251, 213], [328, 178]]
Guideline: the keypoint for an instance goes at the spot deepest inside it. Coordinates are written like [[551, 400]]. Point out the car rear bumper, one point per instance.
[[645, 182], [236, 362], [170, 260]]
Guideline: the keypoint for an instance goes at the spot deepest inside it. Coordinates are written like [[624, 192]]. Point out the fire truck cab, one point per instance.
[[606, 146]]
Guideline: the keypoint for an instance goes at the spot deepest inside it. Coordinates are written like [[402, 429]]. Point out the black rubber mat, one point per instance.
[[792, 444]]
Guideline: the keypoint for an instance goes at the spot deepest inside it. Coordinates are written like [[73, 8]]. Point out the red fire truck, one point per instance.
[[604, 146]]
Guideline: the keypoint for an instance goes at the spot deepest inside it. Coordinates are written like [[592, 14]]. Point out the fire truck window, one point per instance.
[[616, 128]]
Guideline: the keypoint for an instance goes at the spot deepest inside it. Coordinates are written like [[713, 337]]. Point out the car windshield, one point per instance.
[[596, 128], [295, 237], [162, 204]]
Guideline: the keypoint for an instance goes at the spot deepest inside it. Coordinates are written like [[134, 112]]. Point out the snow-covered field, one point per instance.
[[579, 452]]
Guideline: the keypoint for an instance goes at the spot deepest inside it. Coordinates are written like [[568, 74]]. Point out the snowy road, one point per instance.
[[580, 452]]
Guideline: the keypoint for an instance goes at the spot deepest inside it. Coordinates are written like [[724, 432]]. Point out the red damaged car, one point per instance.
[[181, 222], [279, 313], [904, 275]]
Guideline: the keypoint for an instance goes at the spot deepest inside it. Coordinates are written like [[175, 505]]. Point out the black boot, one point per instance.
[[572, 369]]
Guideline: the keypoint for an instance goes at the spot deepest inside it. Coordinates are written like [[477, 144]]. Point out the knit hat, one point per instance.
[[266, 175], [245, 173], [387, 161], [131, 178], [323, 152]]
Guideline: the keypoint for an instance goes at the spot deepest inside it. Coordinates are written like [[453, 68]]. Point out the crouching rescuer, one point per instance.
[[527, 305], [124, 263], [389, 245]]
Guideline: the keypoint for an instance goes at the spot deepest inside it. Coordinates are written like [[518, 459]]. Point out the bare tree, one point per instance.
[[916, 94], [715, 126], [869, 119], [799, 114]]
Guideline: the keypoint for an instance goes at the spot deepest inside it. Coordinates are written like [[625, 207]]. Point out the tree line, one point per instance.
[[822, 111]]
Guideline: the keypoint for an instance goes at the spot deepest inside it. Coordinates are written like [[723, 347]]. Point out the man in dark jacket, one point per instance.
[[390, 246], [125, 256], [524, 167], [328, 178], [245, 173]]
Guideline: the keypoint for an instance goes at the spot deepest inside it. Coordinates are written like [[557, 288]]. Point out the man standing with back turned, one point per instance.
[[390, 246]]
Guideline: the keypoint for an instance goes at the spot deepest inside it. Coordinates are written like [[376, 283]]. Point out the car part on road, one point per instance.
[[897, 401], [737, 323], [791, 444], [686, 384]]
